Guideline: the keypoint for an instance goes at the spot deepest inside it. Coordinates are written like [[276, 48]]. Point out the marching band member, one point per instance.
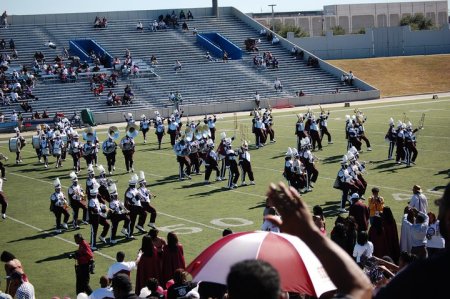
[[361, 119], [211, 162], [390, 137], [89, 151], [97, 216], [127, 145], [268, 125], [358, 168], [299, 175], [353, 140], [194, 156], [159, 129], [145, 196], [75, 150], [2, 166], [91, 181], [307, 160], [344, 182], [118, 213], [259, 130], [58, 205], [410, 145], [315, 133], [76, 198], [400, 143], [182, 150], [300, 130], [45, 149], [57, 148], [109, 148], [133, 204], [129, 118], [221, 152], [288, 163], [21, 142], [3, 200], [244, 163], [103, 184], [37, 147], [354, 172], [144, 126], [323, 122], [211, 122], [233, 175], [173, 129], [64, 137], [348, 123]]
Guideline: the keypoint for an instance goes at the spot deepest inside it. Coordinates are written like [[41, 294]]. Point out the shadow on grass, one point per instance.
[[330, 208], [332, 159], [209, 193], [281, 155], [61, 256], [444, 172], [41, 235], [262, 204], [165, 180]]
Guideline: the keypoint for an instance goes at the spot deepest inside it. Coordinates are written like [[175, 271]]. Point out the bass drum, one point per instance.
[[14, 144], [45, 151], [36, 141]]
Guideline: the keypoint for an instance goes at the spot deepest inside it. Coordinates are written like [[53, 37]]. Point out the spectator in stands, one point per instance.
[[153, 60], [195, 31], [104, 291], [351, 77], [36, 115], [97, 22], [50, 44], [185, 26], [225, 57], [301, 93], [162, 25], [139, 26], [257, 100], [275, 40], [122, 287], [15, 96], [116, 63], [104, 23], [12, 45], [154, 25], [190, 16], [269, 36], [26, 107], [177, 66], [135, 70], [262, 31], [14, 54], [45, 115], [277, 85], [4, 20], [182, 15], [2, 44], [121, 266], [181, 286]]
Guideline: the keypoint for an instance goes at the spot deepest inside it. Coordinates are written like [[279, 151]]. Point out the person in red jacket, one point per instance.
[[85, 259]]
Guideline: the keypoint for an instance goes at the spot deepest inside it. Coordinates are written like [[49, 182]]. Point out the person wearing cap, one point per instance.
[[173, 129], [323, 123], [159, 129], [308, 159], [89, 152], [360, 211], [109, 148], [84, 259], [144, 126], [211, 122], [122, 287], [344, 182], [59, 206], [133, 203], [221, 154], [231, 164], [314, 131], [245, 164], [400, 143], [211, 162], [259, 130], [97, 216], [268, 124], [145, 196], [104, 291], [76, 199], [127, 144], [182, 150], [376, 204], [75, 148], [44, 146], [418, 201], [118, 213], [57, 148], [91, 181], [410, 145]]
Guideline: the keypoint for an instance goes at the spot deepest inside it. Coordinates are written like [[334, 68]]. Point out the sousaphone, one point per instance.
[[113, 132], [89, 134], [132, 130]]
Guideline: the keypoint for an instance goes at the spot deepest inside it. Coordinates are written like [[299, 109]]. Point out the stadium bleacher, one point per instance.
[[200, 81]]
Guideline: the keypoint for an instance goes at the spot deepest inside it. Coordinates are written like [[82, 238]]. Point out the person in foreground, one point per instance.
[[296, 220], [433, 286]]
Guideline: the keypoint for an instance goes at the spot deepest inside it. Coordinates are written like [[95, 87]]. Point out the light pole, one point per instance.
[[273, 16]]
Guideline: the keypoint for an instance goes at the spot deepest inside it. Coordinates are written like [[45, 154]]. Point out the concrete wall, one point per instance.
[[377, 42]]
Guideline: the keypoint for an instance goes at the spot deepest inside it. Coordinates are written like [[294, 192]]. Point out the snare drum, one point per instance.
[[45, 151], [36, 141], [14, 144]]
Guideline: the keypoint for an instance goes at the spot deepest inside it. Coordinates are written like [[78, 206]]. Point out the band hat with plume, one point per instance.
[[101, 169], [73, 176], [142, 177], [143, 116], [57, 183], [112, 188], [90, 169], [133, 180], [344, 159], [391, 121], [130, 114], [289, 152], [223, 135]]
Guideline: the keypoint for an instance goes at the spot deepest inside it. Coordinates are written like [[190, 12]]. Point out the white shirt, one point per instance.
[[436, 240], [359, 251], [270, 227], [420, 202], [101, 293], [25, 291], [120, 266]]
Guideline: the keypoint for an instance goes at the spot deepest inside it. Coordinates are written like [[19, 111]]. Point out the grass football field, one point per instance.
[[198, 213]]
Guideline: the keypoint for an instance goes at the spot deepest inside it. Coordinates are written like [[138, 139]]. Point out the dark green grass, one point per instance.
[[190, 205]]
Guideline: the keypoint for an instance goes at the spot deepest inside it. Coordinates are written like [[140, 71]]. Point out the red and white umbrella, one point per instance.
[[300, 270]]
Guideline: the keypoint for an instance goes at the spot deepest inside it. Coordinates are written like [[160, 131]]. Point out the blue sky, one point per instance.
[[25, 7]]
